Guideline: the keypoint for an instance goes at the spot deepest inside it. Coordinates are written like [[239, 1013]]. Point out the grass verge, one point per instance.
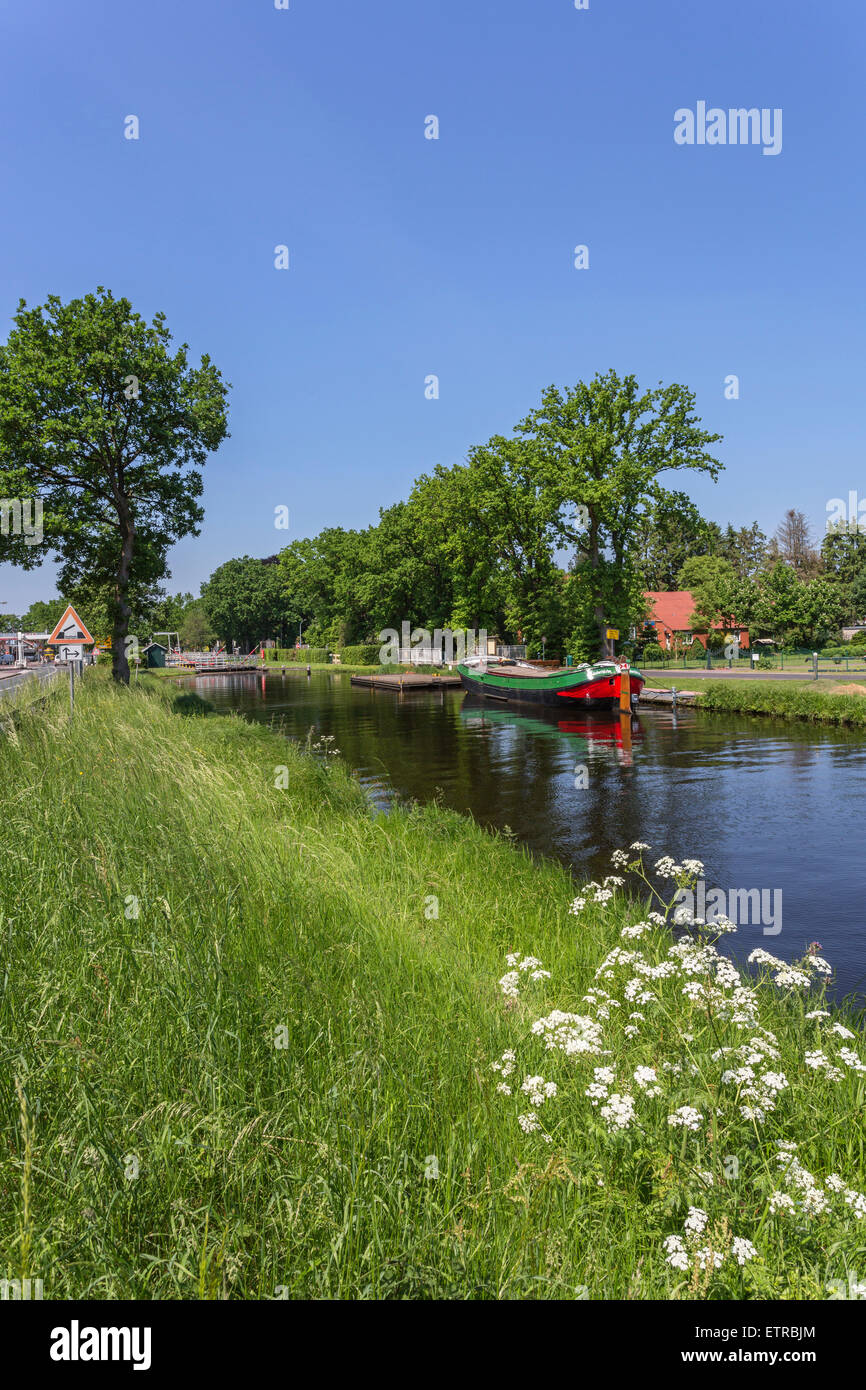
[[788, 700], [249, 1031]]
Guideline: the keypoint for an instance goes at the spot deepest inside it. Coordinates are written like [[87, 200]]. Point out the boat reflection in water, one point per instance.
[[618, 732]]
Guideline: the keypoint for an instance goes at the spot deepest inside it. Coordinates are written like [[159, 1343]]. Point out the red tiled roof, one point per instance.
[[673, 609]]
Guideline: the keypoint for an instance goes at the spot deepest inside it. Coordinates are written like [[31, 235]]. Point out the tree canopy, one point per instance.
[[110, 429]]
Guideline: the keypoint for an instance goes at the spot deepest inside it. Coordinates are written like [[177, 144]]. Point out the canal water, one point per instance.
[[764, 803]]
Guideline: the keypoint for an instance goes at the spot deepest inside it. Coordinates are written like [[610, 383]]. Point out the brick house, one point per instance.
[[669, 614]]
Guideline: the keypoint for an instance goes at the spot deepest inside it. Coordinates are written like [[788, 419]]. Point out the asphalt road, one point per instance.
[[13, 680]]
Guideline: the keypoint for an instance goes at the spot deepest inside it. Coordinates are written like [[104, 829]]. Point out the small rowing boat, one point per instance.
[[591, 685]]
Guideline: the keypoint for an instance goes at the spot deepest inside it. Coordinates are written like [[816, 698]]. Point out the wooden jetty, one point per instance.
[[670, 697], [410, 681]]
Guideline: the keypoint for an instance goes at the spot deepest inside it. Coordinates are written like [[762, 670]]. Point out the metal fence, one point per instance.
[[793, 661]]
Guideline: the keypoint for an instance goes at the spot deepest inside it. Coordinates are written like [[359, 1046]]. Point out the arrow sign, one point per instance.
[[70, 630]]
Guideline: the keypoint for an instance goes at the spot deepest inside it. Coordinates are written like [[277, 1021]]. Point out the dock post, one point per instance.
[[674, 696], [624, 690]]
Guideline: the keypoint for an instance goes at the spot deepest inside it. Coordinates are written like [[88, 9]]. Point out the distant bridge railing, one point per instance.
[[211, 661]]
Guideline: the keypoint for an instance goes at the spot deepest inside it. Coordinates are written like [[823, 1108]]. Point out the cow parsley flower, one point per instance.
[[851, 1059], [506, 1063], [569, 1033], [667, 868], [538, 1089], [789, 978], [509, 985], [676, 1252], [686, 1117], [631, 933], [695, 1221], [781, 1201], [619, 1112], [647, 1079], [841, 1031]]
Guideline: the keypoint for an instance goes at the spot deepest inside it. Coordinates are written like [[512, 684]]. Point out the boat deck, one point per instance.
[[523, 672]]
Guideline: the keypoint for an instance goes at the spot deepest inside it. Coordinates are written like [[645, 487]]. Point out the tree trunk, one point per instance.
[[119, 661], [598, 607]]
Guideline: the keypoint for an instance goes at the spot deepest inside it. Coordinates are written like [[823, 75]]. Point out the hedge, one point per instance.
[[366, 655], [306, 655]]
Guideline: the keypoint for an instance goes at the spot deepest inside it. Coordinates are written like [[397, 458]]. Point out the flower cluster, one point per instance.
[[538, 1089], [569, 1033], [790, 976], [811, 1199], [671, 1044], [529, 965], [698, 1248]]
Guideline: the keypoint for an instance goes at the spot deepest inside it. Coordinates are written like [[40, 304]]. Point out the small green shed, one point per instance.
[[154, 654]]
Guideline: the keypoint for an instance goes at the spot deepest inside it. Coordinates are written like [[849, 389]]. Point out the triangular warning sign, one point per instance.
[[71, 629]]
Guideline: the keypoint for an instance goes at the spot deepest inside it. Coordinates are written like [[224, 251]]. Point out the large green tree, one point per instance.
[[110, 428], [670, 531], [244, 601], [714, 585], [597, 451], [746, 548]]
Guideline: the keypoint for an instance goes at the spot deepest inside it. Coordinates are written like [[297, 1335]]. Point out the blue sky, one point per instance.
[[412, 257]]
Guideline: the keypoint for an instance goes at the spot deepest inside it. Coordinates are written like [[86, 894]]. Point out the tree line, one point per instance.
[[551, 533]]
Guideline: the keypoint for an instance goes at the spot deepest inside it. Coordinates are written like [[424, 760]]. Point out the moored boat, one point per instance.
[[591, 685]]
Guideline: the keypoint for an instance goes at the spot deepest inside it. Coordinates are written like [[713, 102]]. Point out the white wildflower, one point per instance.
[[686, 1117], [619, 1112]]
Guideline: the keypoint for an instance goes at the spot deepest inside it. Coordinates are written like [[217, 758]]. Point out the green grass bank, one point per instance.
[[785, 700], [260, 1042]]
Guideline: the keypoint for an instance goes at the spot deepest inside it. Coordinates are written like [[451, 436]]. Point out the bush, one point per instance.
[[366, 655], [305, 655], [652, 652]]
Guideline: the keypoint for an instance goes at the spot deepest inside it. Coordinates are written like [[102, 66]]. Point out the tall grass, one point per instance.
[[787, 700], [247, 1030]]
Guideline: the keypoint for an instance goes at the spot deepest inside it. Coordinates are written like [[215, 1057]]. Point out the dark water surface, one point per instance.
[[763, 803]]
